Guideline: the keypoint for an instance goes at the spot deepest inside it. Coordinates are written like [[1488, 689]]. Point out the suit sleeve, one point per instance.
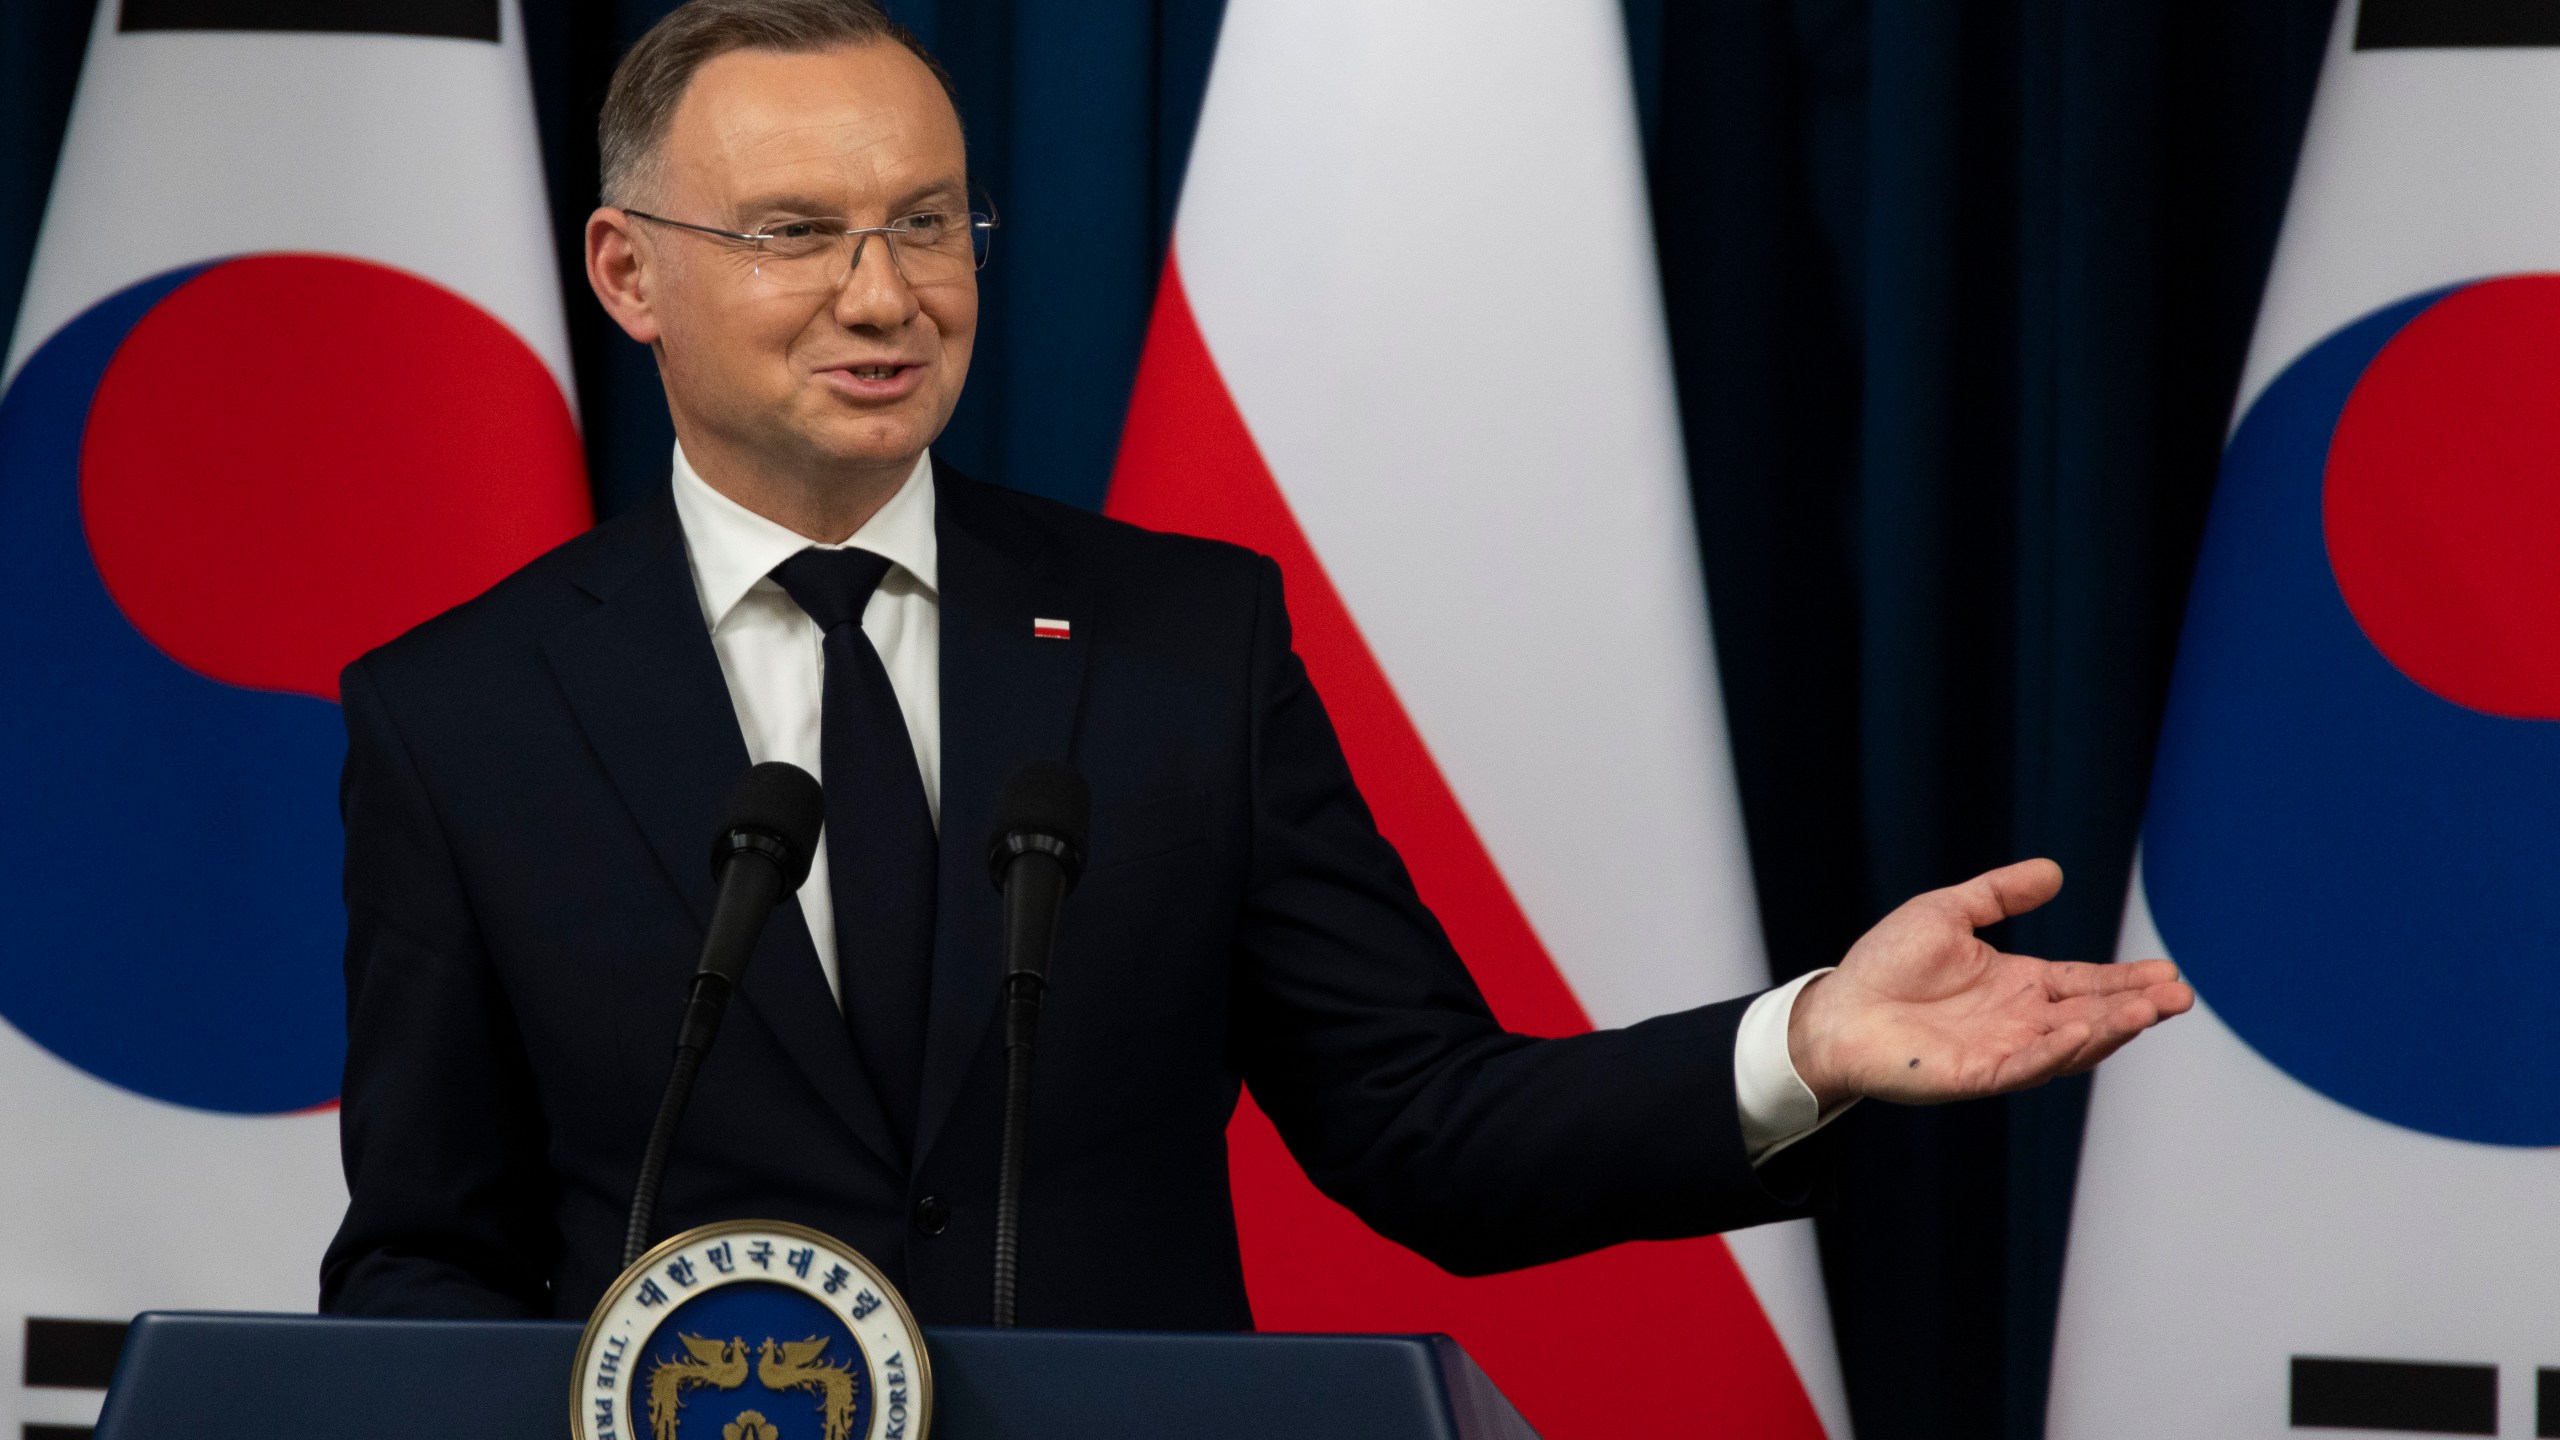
[[449, 1212], [1364, 1039]]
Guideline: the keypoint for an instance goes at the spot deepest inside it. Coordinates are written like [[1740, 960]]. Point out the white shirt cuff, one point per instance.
[[1778, 1108]]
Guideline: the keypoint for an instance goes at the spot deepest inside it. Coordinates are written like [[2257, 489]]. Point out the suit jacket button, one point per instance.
[[933, 1215]]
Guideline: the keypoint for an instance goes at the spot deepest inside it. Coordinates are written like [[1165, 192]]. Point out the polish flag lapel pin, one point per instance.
[[1050, 629]]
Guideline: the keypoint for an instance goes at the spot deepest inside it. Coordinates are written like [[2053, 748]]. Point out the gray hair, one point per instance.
[[651, 80]]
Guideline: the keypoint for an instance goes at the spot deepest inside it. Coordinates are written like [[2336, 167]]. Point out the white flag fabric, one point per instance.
[[289, 377], [1410, 344], [2326, 1199]]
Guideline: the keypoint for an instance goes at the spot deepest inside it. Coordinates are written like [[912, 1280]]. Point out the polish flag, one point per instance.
[[289, 377], [1409, 343]]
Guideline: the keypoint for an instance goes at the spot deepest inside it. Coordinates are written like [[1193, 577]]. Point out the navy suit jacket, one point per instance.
[[531, 786]]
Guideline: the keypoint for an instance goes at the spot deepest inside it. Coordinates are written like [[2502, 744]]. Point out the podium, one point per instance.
[[211, 1376]]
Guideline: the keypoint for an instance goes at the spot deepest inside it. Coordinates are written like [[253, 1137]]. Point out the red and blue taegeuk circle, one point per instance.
[[2353, 843], [218, 486]]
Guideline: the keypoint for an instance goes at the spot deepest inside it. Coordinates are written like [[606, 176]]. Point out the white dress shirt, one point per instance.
[[1778, 1108], [774, 656], [774, 659]]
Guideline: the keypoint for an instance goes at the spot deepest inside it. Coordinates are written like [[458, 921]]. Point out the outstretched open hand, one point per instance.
[[1921, 1010]]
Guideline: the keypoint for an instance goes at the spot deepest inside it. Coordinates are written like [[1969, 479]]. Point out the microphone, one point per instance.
[[1035, 858], [767, 837]]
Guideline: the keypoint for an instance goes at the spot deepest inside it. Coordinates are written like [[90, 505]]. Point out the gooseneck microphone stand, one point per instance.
[[1035, 859], [761, 854], [1021, 1039]]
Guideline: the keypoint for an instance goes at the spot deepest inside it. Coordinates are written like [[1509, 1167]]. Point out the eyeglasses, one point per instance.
[[817, 252]]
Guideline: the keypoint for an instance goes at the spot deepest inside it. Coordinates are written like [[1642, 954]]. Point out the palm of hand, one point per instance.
[[1922, 1010]]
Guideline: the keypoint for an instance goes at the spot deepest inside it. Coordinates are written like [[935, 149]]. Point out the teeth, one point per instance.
[[875, 372]]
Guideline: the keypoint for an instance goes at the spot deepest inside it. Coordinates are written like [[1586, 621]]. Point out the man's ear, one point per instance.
[[620, 274]]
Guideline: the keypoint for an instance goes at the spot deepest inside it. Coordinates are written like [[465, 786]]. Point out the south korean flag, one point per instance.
[[2329, 1199], [290, 377]]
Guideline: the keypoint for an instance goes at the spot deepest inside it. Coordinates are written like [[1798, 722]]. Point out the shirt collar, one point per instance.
[[733, 547]]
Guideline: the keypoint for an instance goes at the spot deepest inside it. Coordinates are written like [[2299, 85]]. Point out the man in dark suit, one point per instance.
[[533, 779]]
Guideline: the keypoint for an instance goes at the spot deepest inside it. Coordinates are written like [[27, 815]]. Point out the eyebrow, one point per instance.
[[809, 205], [950, 188], [784, 205]]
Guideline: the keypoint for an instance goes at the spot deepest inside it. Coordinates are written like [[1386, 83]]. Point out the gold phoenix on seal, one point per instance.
[[780, 1365]]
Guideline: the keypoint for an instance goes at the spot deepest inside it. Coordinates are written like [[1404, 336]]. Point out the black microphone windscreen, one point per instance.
[[1045, 797], [781, 802]]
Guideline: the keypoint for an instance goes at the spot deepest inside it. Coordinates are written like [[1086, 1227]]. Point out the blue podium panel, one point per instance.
[[229, 1377], [250, 1377], [1043, 1384]]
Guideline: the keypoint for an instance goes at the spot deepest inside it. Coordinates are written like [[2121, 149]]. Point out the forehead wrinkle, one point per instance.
[[832, 165]]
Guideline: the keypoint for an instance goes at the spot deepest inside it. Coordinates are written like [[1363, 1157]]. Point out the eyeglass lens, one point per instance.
[[818, 254]]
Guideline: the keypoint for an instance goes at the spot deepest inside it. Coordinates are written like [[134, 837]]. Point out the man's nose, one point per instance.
[[874, 295]]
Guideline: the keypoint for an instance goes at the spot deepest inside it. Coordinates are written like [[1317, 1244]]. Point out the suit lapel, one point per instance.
[[1007, 697], [641, 677]]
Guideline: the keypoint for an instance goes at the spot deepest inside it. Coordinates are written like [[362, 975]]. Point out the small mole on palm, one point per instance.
[[1915, 1062]]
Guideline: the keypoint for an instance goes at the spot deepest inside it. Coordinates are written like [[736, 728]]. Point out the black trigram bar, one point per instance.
[[2546, 1403], [451, 19], [2406, 1395], [2455, 24], [72, 1354], [53, 1432]]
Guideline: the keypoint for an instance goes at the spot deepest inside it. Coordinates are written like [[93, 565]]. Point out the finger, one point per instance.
[[2048, 1055], [2105, 1019], [2096, 1053], [1996, 895], [2118, 1018], [2175, 998], [2128, 1019], [2065, 979], [2086, 1031]]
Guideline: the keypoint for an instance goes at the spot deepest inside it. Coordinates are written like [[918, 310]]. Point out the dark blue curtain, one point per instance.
[[1958, 294], [40, 47]]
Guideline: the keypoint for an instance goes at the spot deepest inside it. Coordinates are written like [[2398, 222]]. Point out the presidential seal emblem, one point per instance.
[[752, 1330]]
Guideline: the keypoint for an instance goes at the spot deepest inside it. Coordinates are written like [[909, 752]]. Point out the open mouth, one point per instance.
[[875, 380]]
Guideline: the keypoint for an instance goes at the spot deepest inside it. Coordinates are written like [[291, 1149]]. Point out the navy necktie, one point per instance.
[[881, 851]]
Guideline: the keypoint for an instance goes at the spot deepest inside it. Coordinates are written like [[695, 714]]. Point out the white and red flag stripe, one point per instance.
[[1409, 343]]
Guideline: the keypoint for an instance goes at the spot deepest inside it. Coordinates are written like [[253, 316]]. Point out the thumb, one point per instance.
[[1996, 895]]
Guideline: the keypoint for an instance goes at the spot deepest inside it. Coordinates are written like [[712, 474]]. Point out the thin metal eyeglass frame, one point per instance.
[[981, 223]]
